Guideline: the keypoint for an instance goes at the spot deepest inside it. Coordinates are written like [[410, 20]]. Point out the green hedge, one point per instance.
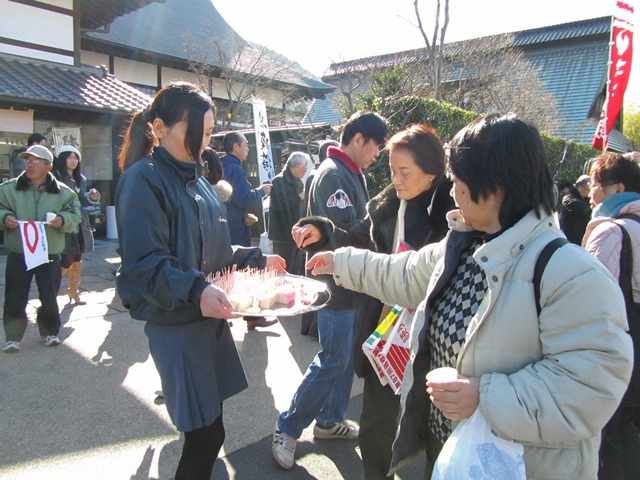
[[448, 120]]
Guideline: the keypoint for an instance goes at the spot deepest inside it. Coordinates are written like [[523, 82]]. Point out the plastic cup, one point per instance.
[[51, 217], [442, 375]]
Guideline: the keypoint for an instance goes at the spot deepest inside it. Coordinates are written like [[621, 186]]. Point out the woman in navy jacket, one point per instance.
[[173, 233]]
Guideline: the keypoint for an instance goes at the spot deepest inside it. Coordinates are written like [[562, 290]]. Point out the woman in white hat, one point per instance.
[[66, 168]]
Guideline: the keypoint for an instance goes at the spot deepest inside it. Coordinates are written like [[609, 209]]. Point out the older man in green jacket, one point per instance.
[[31, 196]]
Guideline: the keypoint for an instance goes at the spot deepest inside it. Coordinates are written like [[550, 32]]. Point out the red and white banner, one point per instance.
[[34, 243], [620, 56]]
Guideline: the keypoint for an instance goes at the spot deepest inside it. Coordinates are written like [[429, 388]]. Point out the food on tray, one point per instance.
[[253, 291]]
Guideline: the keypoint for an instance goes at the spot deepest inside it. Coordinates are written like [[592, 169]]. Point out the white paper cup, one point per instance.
[[51, 217], [442, 375]]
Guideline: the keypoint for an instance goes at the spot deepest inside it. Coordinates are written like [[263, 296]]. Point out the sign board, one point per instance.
[[266, 170]]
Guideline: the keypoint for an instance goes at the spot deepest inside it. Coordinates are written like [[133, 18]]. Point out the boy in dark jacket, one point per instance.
[[338, 192]]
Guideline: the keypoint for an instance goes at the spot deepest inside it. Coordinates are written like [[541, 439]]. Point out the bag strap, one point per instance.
[[541, 263]]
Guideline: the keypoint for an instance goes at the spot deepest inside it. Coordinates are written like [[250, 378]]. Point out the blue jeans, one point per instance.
[[325, 390]]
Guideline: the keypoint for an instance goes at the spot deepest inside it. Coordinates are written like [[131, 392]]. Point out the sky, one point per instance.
[[320, 32]]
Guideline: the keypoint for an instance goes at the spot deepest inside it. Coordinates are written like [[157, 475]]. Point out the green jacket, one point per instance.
[[20, 199]]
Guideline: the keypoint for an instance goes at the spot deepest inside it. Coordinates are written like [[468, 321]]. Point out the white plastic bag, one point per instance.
[[472, 452]]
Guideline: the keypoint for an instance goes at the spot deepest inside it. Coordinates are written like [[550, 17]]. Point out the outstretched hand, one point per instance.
[[321, 263], [276, 262], [305, 235]]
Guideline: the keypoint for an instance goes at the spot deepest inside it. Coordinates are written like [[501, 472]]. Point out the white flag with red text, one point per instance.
[[34, 243]]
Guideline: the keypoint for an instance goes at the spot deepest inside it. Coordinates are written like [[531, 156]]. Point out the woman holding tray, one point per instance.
[[173, 233]]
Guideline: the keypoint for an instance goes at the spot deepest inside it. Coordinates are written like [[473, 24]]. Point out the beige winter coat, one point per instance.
[[550, 383]]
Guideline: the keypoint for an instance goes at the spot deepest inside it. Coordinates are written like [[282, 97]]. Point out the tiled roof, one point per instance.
[[173, 27], [574, 74], [36, 82], [97, 13], [571, 60], [323, 110], [523, 39], [563, 31]]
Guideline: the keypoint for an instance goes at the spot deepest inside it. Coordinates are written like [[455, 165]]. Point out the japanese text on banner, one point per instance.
[[266, 170]]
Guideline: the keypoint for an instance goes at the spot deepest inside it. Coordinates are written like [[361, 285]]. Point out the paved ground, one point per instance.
[[86, 410]]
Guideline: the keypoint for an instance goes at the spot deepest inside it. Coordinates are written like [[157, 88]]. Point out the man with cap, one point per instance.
[[31, 196], [574, 212]]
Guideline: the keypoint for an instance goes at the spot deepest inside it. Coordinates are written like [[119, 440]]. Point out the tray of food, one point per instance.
[[267, 293]]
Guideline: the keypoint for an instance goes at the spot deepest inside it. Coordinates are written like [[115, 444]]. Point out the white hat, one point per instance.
[[69, 148], [38, 151]]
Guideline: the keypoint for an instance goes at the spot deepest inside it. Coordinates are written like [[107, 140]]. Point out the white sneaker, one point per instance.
[[283, 449], [51, 341], [11, 347], [342, 430]]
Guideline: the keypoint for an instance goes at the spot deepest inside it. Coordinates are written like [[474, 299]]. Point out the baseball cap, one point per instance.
[[38, 151], [69, 148]]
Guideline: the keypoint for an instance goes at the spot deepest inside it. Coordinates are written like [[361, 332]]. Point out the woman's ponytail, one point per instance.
[[138, 140]]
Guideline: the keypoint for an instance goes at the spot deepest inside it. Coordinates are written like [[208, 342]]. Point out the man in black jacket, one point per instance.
[[574, 212], [339, 193]]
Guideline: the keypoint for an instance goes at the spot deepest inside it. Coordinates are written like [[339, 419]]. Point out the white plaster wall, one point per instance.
[[174, 75], [272, 97], [16, 121], [35, 25], [136, 72], [68, 4], [38, 54], [94, 59]]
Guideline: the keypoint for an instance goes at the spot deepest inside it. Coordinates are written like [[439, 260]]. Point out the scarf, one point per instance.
[[611, 206]]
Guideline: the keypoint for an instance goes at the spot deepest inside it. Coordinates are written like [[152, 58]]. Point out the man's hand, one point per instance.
[[305, 235], [266, 188], [456, 400], [276, 262], [321, 264], [56, 223], [214, 303], [10, 222]]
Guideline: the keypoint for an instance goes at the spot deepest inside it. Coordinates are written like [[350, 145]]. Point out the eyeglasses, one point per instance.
[[34, 161]]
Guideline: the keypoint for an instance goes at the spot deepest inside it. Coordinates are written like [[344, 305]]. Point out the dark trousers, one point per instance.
[[201, 448], [378, 425], [378, 422], [17, 285]]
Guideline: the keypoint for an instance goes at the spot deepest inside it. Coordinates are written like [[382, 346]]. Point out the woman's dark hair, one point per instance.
[[610, 168], [502, 152], [175, 102], [213, 165], [424, 145], [60, 168], [231, 139], [370, 125]]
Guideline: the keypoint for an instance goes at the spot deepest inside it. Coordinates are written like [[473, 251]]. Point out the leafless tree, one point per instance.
[[488, 74], [434, 47], [244, 68]]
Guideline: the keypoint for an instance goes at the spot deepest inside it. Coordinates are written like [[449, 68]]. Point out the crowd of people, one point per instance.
[[44, 186], [541, 326]]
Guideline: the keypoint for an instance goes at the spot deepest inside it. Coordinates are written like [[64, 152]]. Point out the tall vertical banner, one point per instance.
[[620, 57], [34, 243], [266, 170]]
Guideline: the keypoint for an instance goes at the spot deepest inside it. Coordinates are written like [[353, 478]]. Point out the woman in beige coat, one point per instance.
[[547, 379]]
